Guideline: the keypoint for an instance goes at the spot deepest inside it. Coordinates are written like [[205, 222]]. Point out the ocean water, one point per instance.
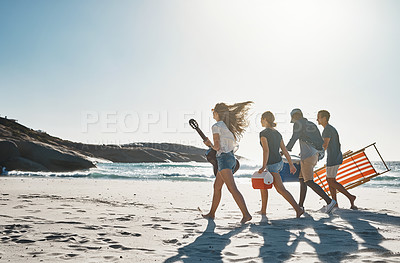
[[192, 171]]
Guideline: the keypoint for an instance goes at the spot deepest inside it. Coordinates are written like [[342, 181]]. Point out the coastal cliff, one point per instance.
[[22, 148]]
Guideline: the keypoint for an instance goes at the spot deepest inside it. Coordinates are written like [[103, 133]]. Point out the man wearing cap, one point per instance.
[[310, 149]]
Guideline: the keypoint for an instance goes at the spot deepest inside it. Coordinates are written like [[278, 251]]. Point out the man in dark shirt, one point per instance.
[[334, 158], [310, 144]]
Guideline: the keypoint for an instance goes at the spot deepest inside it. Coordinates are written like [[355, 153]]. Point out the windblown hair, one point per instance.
[[324, 113], [269, 117], [234, 116]]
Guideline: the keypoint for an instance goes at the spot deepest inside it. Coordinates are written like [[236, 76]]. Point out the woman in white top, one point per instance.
[[231, 123]]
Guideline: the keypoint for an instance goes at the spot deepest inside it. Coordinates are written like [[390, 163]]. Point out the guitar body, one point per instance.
[[211, 154]]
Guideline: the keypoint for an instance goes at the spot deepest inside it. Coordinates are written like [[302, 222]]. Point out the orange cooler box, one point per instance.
[[263, 180]]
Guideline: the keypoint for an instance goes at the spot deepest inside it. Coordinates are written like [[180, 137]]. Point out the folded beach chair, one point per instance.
[[355, 170]]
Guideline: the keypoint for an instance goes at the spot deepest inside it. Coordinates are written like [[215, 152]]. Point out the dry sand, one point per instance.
[[87, 220]]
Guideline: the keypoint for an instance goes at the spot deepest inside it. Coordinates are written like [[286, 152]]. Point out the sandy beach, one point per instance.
[[87, 220]]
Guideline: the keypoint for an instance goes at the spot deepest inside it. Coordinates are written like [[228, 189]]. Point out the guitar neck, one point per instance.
[[201, 134]]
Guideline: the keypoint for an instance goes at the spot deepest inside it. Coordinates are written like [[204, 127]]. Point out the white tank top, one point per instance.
[[227, 140]]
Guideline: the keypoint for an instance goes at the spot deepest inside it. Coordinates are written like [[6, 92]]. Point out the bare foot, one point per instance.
[[299, 213], [246, 219], [208, 216], [352, 199]]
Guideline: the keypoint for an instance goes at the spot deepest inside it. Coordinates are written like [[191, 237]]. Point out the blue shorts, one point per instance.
[[226, 161], [275, 168]]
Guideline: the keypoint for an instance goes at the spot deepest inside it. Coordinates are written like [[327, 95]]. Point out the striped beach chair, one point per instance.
[[355, 170]]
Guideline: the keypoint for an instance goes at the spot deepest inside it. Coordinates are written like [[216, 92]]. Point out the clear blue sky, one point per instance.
[[99, 71]]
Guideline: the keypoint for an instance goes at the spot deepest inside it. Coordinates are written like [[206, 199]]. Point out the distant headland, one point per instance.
[[25, 149]]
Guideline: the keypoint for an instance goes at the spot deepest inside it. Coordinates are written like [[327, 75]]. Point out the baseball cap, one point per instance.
[[294, 111]]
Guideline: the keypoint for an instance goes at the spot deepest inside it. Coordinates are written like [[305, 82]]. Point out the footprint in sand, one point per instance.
[[158, 226], [120, 247], [130, 234], [70, 255], [158, 219], [110, 258], [171, 241], [90, 227], [124, 218], [69, 222], [14, 233], [191, 224], [77, 247], [19, 206], [61, 237], [24, 241]]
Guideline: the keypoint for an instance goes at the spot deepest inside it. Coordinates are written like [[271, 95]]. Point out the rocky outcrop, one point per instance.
[[8, 150], [10, 157], [38, 156], [54, 158], [24, 149], [23, 164], [142, 153]]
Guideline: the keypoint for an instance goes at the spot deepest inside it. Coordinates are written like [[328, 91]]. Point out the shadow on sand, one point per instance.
[[208, 246], [344, 235], [337, 240]]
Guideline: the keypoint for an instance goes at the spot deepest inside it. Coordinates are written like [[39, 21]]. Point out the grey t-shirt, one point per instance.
[[306, 150], [335, 156], [274, 139]]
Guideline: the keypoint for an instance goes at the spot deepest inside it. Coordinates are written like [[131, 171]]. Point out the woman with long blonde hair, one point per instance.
[[231, 123]]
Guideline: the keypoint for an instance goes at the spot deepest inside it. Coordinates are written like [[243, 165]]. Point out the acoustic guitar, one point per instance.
[[211, 154]]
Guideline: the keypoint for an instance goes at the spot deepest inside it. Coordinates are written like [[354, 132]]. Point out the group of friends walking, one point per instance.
[[231, 122]]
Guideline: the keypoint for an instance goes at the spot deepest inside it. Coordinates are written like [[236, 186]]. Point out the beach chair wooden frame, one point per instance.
[[355, 170]]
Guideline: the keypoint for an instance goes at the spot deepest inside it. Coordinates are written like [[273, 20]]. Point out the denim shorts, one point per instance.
[[226, 161], [276, 167]]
